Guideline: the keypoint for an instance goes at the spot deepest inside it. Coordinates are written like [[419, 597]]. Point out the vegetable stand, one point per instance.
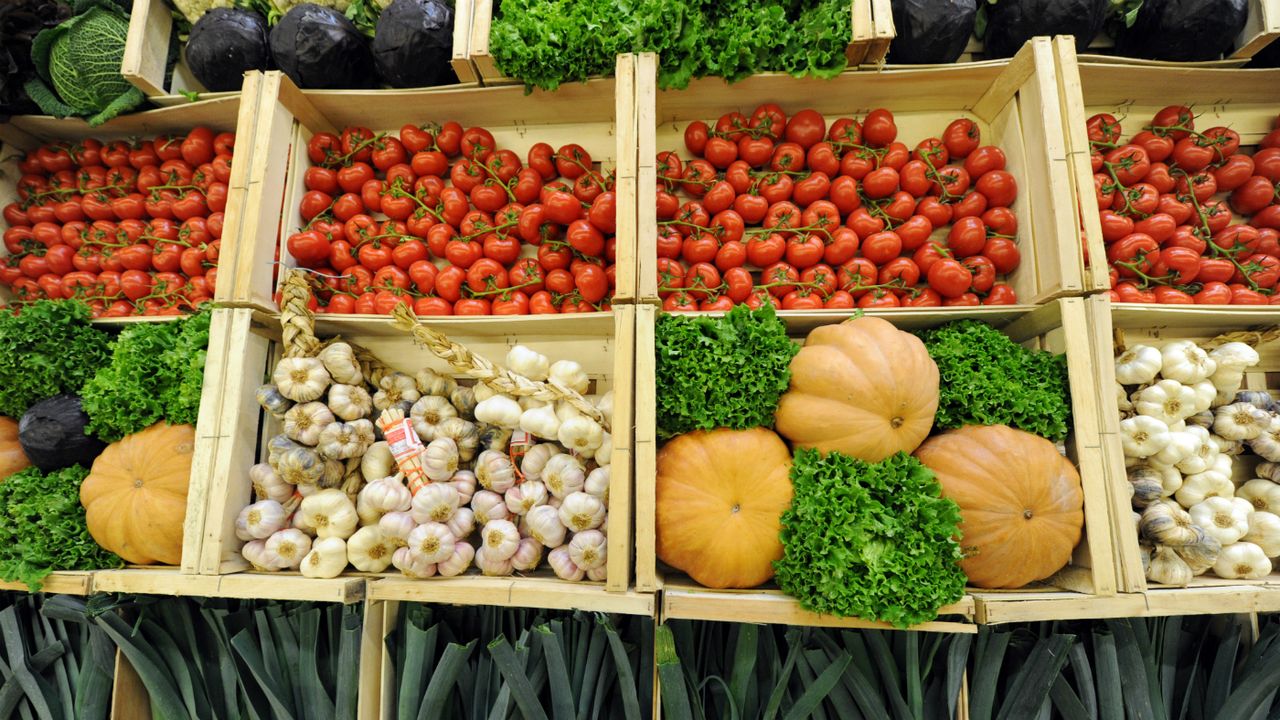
[[1014, 104]]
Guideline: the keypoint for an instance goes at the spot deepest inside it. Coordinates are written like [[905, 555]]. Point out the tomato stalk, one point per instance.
[[599, 183], [1218, 250]]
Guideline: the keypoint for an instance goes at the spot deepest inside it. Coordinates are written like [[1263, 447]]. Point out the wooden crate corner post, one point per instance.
[[621, 464], [461, 61], [882, 32], [646, 87], [1262, 27], [626, 101], [150, 24], [646, 451]]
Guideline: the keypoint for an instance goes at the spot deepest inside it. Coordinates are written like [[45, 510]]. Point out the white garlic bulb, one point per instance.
[[563, 475], [588, 549], [432, 541], [369, 550], [581, 511], [563, 565], [499, 539], [285, 549], [528, 495], [261, 520], [327, 558], [459, 561], [331, 513], [436, 502]]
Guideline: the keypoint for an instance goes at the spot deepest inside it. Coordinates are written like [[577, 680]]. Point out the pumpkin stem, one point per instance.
[[1026, 514]]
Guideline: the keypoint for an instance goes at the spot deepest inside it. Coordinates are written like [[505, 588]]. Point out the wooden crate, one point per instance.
[[596, 115], [1001, 608], [869, 43], [1060, 326], [1157, 325], [147, 46], [602, 342], [227, 114], [1014, 102], [60, 582], [1244, 100]]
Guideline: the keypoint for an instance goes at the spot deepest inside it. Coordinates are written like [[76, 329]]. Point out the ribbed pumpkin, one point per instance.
[[720, 496], [1020, 500], [135, 497], [12, 458], [863, 388]]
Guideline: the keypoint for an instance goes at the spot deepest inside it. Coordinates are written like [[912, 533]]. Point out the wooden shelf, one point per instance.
[[272, 586], [1000, 608], [532, 592], [62, 582]]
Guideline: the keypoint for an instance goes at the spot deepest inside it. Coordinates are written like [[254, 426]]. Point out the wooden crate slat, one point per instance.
[[262, 586], [60, 582], [531, 592]]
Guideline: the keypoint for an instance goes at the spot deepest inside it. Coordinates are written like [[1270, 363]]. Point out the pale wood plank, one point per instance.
[[372, 650], [266, 586], [533, 592], [621, 464], [60, 582], [143, 64], [461, 60], [646, 450], [129, 698]]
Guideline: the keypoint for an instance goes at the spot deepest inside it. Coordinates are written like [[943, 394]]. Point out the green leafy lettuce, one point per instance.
[[987, 379], [47, 349], [721, 372], [871, 540], [42, 527], [155, 373], [549, 42]]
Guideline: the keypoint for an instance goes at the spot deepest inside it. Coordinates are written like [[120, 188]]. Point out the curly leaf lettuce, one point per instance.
[[871, 540], [988, 379], [42, 527], [48, 348], [721, 372]]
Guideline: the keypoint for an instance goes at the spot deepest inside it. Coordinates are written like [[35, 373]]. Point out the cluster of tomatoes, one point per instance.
[[789, 211], [441, 219], [1187, 217], [129, 228]]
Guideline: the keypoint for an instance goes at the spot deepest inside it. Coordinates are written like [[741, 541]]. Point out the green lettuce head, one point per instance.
[[81, 60]]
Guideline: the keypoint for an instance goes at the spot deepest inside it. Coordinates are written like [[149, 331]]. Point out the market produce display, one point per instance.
[[1188, 216], [491, 475], [328, 45], [132, 228], [545, 43], [443, 220], [1191, 441], [793, 212], [847, 518]]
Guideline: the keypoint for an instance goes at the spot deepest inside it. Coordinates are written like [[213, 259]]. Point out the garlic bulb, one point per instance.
[[495, 471], [1269, 471], [340, 360], [1240, 421], [369, 550], [1234, 356], [1143, 436], [440, 459], [463, 400], [1243, 560], [349, 402], [427, 414], [334, 471], [563, 564], [605, 405], [500, 410], [459, 561], [395, 389], [273, 401], [463, 432], [544, 525], [331, 513], [304, 422], [1267, 443], [1186, 362], [1168, 569], [482, 392], [299, 466], [386, 495], [581, 511], [1164, 523], [396, 526], [377, 462], [1226, 519], [570, 374], [604, 454], [588, 549], [301, 379], [412, 564], [489, 506], [327, 559], [431, 541], [430, 382], [462, 522], [499, 539], [268, 485], [527, 555], [1201, 554], [1201, 486], [1205, 455], [338, 440], [523, 361], [264, 518], [436, 503], [464, 481], [1226, 383], [1180, 446], [540, 422], [581, 434], [563, 475], [1137, 365], [1123, 401], [599, 574], [597, 484], [1145, 484], [492, 566], [1167, 401], [1264, 531], [497, 439], [1264, 495], [254, 552], [285, 549], [278, 445], [1205, 394], [535, 459], [528, 495]]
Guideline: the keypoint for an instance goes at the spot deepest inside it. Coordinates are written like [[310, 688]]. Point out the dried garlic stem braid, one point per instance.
[[499, 379], [1252, 338], [297, 323]]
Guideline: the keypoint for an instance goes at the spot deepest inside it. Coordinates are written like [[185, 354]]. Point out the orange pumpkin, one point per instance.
[[863, 388], [135, 497], [12, 458], [1021, 503], [720, 496]]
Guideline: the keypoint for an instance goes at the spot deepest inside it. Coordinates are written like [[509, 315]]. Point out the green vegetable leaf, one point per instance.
[[48, 348], [721, 372], [872, 540], [987, 379], [42, 527]]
